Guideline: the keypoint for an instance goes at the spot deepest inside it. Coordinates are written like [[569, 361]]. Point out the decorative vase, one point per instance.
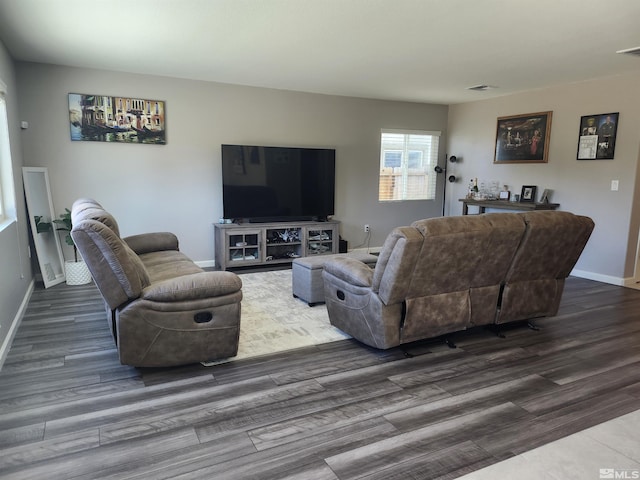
[[77, 273]]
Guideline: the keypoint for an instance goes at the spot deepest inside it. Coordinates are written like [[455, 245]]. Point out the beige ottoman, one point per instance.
[[306, 275]]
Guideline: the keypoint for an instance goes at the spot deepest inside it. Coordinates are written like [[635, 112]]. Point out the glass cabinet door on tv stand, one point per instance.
[[320, 241], [243, 247], [250, 244]]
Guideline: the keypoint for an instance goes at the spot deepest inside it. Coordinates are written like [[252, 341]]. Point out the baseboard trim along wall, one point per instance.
[[598, 277], [6, 344], [206, 263]]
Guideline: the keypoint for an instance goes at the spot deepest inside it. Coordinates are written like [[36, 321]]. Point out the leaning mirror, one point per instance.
[[41, 215]]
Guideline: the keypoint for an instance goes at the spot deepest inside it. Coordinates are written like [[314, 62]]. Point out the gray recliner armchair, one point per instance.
[[164, 310]]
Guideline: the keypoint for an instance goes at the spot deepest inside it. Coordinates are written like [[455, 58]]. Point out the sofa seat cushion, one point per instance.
[[168, 264], [193, 287]]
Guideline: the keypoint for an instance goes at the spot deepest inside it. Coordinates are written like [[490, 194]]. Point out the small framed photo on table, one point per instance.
[[528, 193], [505, 194], [546, 195]]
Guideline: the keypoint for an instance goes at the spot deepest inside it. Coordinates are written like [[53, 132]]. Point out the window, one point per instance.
[[7, 201], [407, 162]]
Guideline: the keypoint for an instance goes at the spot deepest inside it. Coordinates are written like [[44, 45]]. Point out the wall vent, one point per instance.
[[481, 88]]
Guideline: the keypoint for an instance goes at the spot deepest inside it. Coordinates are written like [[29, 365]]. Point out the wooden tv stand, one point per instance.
[[253, 244]]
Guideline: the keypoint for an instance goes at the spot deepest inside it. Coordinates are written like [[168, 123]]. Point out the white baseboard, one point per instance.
[[599, 277], [205, 263], [6, 344]]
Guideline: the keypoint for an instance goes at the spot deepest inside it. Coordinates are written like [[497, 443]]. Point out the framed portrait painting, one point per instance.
[[523, 138]]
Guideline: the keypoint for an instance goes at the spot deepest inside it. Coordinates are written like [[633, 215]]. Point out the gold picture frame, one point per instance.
[[523, 138]]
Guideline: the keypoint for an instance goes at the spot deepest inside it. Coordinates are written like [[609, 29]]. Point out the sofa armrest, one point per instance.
[[152, 242], [193, 287], [350, 270]]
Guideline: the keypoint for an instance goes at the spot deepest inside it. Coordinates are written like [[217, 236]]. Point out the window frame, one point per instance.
[[388, 190], [7, 188]]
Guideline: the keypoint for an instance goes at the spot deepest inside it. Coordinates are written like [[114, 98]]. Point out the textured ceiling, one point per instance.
[[413, 50]]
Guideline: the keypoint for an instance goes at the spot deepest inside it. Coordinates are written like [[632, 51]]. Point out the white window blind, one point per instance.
[[407, 162]]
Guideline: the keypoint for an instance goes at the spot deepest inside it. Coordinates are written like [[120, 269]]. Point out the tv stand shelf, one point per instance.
[[249, 244]]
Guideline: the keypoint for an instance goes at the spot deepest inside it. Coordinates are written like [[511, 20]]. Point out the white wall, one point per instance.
[[580, 186], [177, 187], [15, 266]]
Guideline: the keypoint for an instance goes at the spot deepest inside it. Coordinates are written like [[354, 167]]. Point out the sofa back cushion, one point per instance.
[[550, 248], [465, 252], [118, 272], [84, 203], [86, 208], [457, 275]]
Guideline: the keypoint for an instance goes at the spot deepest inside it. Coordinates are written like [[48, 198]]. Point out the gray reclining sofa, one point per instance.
[[163, 309], [443, 275]]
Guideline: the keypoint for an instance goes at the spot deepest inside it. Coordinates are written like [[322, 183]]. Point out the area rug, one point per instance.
[[272, 320]]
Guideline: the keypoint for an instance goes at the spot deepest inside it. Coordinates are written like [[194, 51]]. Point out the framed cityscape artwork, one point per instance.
[[99, 118]]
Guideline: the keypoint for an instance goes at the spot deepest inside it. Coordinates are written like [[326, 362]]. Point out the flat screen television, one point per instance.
[[265, 184]]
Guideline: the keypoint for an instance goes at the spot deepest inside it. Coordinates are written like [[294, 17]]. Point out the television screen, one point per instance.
[[277, 183]]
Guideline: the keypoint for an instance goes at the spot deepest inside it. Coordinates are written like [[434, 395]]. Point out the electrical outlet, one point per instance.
[[366, 228], [614, 185]]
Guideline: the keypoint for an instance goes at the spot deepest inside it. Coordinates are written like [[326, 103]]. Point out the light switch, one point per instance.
[[614, 185]]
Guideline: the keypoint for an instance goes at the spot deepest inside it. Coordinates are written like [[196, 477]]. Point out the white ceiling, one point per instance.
[[414, 50]]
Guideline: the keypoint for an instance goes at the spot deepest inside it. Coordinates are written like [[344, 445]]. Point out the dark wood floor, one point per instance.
[[69, 410]]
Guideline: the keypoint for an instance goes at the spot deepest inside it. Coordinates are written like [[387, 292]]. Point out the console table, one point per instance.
[[504, 204]]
